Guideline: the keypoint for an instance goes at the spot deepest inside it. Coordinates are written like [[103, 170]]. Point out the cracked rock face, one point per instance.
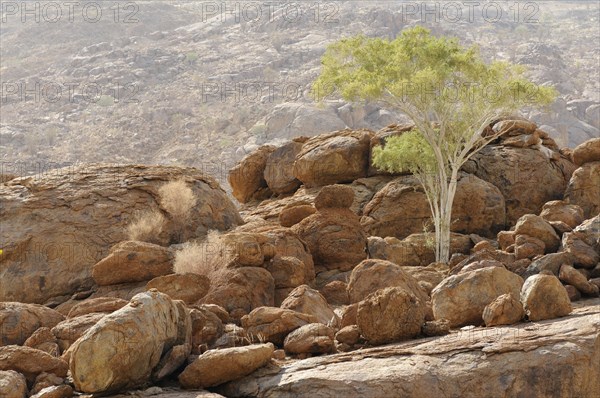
[[55, 227]]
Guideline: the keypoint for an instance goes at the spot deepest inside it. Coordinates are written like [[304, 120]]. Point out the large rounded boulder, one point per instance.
[[462, 298], [527, 177], [57, 225], [341, 156], [401, 208]]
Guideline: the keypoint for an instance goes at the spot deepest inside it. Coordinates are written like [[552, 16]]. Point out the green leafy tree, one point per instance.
[[451, 94]]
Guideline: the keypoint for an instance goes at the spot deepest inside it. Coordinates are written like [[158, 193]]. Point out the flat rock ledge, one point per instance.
[[553, 358]]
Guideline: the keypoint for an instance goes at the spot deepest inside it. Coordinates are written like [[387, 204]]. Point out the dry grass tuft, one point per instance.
[[178, 199], [209, 258], [146, 226]]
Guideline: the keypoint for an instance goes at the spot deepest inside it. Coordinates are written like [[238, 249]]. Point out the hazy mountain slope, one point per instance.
[[186, 84]]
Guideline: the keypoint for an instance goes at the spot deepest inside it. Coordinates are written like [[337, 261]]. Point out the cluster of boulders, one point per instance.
[[341, 262]]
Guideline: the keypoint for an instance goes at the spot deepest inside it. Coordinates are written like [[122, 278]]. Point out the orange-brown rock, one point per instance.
[[274, 324], [81, 211], [586, 152], [371, 275], [526, 178], [247, 177], [279, 168], [99, 304], [334, 237], [544, 297], [341, 156], [133, 261], [216, 367], [30, 362], [401, 208], [390, 314], [18, 321], [243, 290], [462, 298], [186, 287], [309, 301]]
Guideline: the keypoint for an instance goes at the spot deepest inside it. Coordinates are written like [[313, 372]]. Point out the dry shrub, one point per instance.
[[178, 199], [209, 257], [146, 226]]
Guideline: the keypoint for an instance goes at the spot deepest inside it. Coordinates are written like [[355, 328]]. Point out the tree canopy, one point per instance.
[[449, 91]]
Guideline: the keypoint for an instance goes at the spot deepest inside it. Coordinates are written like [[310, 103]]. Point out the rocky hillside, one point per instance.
[[324, 285], [180, 83]]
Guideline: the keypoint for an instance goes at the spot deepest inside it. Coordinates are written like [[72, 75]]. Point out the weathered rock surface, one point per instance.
[[243, 289], [207, 327], [279, 168], [216, 367], [589, 232], [559, 210], [168, 392], [544, 297], [504, 310], [128, 344], [30, 362], [549, 262], [415, 250], [247, 177], [18, 321], [335, 238], [526, 177], [62, 391], [583, 254], [348, 335], [132, 261], [100, 304], [44, 380], [428, 277], [336, 293], [341, 156], [71, 329], [584, 189], [12, 384], [292, 215], [186, 287], [309, 301], [565, 357], [401, 208], [48, 245], [389, 315], [273, 324], [571, 276], [528, 247], [371, 275], [537, 227], [462, 298], [588, 151], [335, 196], [314, 338], [290, 272], [44, 340]]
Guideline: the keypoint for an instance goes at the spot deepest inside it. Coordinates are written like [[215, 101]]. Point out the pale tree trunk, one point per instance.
[[447, 198]]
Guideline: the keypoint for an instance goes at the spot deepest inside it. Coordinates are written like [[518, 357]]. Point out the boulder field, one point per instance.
[[324, 283]]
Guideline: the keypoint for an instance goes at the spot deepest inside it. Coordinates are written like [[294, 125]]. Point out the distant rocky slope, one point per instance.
[[199, 88], [329, 272]]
